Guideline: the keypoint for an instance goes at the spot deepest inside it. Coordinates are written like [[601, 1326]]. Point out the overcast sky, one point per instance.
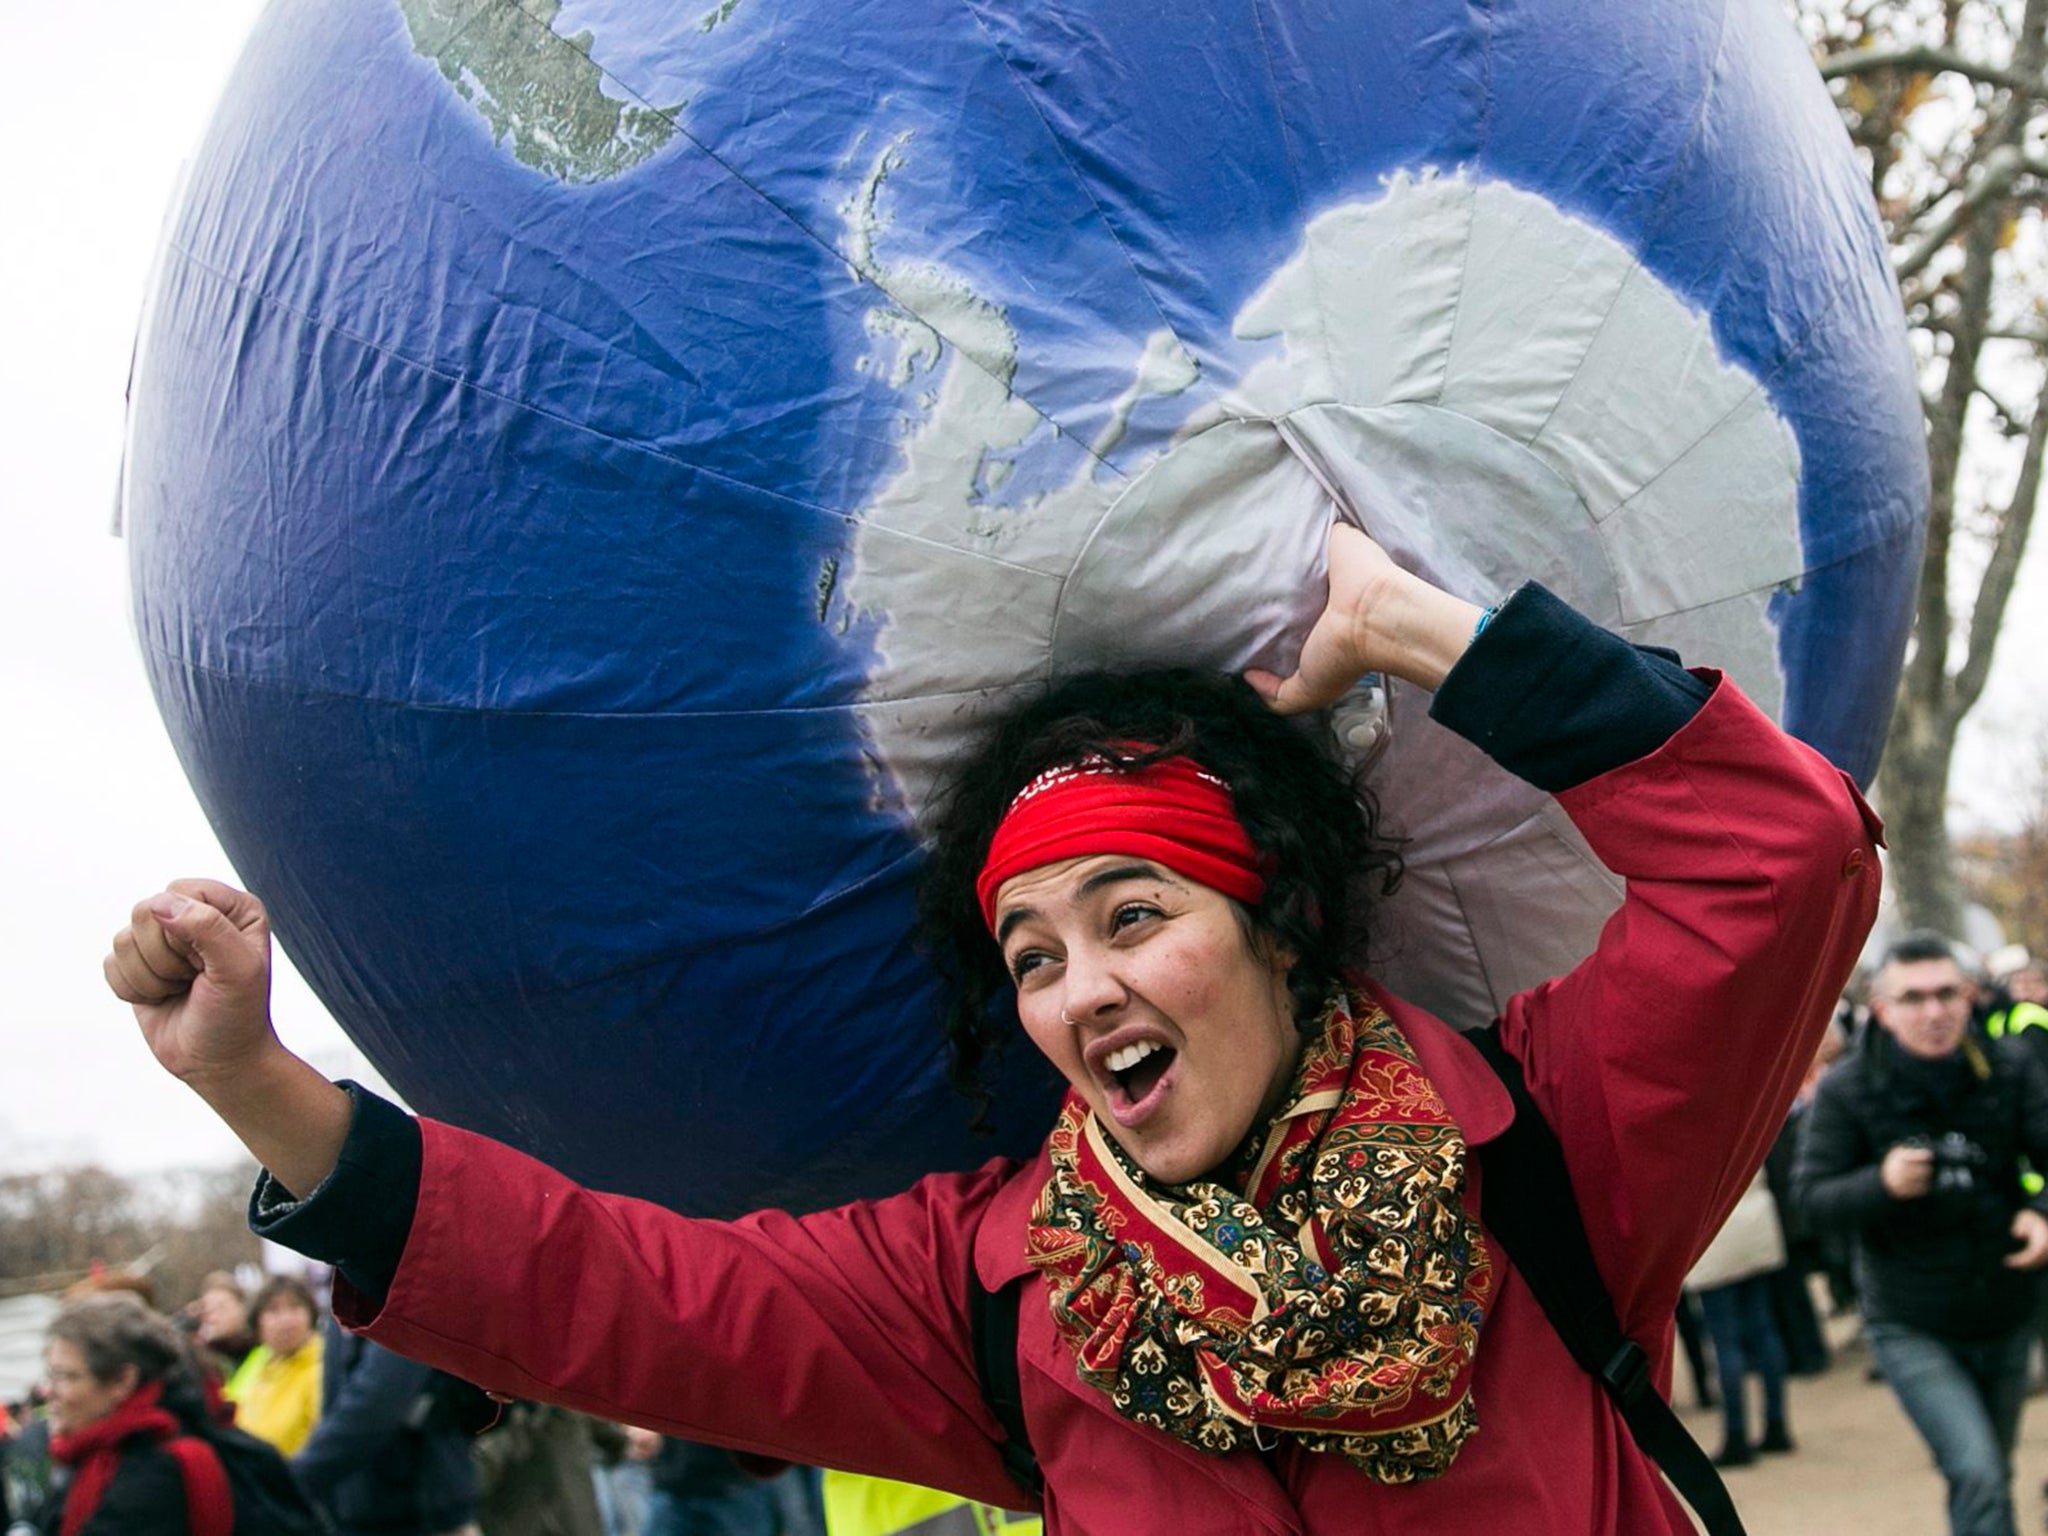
[[108, 99]]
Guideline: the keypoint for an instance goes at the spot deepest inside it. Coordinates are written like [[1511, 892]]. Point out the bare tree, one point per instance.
[[1946, 101], [60, 1221], [57, 1224], [2008, 872]]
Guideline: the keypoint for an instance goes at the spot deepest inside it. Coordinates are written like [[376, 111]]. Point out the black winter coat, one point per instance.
[[146, 1498], [380, 1461], [147, 1494], [1935, 1263]]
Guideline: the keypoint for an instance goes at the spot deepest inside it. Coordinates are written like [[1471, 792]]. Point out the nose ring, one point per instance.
[[1069, 1020]]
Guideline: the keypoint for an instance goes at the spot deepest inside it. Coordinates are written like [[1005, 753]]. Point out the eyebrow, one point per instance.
[[1095, 882]]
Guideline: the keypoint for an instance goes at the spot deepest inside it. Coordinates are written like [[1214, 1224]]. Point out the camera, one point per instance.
[[1959, 1163]]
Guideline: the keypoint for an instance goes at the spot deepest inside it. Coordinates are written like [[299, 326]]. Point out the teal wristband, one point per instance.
[[1485, 619]]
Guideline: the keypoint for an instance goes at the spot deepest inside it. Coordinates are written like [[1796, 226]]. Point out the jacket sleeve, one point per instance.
[[1666, 1060], [838, 1339], [358, 1217], [2033, 1112], [1835, 1179], [367, 1414]]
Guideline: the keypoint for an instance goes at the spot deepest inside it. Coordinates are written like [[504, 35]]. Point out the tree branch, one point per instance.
[[1994, 178], [2008, 330], [1987, 613], [1929, 61], [2009, 418], [1927, 680]]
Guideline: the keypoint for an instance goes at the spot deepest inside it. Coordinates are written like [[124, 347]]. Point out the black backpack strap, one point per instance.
[[992, 1323], [1529, 1208], [1527, 1203]]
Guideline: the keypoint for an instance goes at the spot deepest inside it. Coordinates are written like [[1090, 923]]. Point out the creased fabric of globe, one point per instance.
[[623, 452]]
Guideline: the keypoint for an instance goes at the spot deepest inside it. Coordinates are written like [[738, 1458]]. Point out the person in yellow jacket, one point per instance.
[[875, 1506], [2022, 1014], [2024, 1018], [276, 1392], [2026, 982]]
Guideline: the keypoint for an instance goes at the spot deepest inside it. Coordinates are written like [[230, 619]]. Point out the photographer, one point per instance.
[[1913, 1147]]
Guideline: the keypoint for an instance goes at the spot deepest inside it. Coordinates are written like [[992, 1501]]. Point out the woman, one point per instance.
[[1734, 1281], [1256, 1296], [220, 1323], [128, 1416], [276, 1392]]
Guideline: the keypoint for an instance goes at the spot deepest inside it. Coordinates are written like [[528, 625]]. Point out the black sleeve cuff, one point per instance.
[[1557, 700], [360, 1216]]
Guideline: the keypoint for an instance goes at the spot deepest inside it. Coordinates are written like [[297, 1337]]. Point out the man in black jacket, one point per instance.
[[1913, 1147], [383, 1460]]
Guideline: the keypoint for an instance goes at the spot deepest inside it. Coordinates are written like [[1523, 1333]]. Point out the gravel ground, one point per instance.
[[1859, 1468]]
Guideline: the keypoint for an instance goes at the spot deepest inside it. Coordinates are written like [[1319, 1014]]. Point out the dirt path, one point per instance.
[[1859, 1469]]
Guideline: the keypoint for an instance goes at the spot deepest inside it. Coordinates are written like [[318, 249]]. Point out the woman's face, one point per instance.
[[221, 1315], [284, 1325], [77, 1397], [1148, 994]]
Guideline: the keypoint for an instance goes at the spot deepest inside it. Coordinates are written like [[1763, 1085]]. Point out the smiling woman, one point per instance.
[[1257, 1286], [129, 1418], [1146, 992]]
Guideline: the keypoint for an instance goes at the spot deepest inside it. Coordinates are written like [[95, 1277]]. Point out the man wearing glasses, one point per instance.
[[1914, 1147]]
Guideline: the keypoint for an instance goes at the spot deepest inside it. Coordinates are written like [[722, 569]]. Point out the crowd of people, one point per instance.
[[1906, 1186], [1903, 1187], [245, 1412]]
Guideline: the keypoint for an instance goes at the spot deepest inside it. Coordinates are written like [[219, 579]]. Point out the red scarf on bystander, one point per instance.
[[95, 1451]]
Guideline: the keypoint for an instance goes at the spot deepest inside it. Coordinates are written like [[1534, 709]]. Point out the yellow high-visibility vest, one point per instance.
[[875, 1506], [2010, 1021]]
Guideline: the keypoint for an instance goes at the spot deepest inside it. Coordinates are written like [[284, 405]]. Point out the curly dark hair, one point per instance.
[[1316, 831]]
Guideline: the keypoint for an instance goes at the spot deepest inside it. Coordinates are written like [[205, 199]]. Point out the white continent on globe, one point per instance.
[[1494, 389]]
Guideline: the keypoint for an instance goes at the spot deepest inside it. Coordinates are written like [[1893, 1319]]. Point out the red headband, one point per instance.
[[1172, 811]]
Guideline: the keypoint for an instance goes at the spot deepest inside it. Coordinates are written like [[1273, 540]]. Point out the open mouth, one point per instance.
[[1136, 1073]]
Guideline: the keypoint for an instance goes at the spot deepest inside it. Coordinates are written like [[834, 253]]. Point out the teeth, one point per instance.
[[1130, 1055]]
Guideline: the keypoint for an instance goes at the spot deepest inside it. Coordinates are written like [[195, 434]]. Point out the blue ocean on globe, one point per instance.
[[592, 465]]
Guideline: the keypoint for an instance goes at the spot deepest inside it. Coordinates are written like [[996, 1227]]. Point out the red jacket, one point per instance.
[[1665, 1063]]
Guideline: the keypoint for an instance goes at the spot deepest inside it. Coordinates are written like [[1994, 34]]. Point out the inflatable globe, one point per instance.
[[592, 464]]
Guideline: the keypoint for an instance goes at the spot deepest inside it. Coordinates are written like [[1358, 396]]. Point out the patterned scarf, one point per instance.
[[1329, 1285]]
